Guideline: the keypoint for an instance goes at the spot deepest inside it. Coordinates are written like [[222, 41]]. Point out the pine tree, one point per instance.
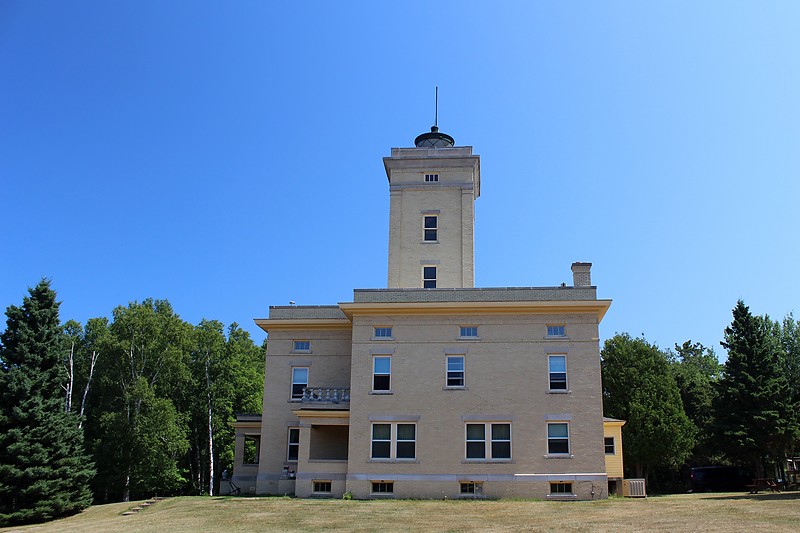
[[44, 470], [755, 423]]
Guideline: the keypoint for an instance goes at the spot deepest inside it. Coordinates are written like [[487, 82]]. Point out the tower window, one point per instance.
[[431, 177], [429, 277], [430, 228], [558, 372]]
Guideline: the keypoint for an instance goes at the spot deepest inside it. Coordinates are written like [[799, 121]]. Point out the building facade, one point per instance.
[[431, 387]]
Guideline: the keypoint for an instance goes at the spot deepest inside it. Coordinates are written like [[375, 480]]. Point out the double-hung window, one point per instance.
[[455, 371], [558, 438], [381, 373], [394, 441], [489, 441], [430, 228], [429, 277], [299, 381], [609, 445], [557, 372], [293, 444]]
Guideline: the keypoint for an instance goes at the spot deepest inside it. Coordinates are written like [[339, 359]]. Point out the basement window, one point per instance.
[[383, 487], [322, 487], [471, 488], [560, 489]]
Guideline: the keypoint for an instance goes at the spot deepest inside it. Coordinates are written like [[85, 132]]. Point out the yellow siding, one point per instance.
[[614, 462]]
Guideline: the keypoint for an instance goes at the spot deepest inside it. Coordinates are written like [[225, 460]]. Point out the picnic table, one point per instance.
[[763, 484]]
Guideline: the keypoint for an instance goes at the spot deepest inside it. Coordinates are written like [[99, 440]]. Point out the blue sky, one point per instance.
[[227, 156]]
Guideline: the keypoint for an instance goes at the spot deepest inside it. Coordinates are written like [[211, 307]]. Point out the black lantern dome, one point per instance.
[[434, 139]]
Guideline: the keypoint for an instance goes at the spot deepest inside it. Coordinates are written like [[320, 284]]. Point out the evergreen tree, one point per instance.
[[44, 471], [639, 387], [697, 369], [754, 410]]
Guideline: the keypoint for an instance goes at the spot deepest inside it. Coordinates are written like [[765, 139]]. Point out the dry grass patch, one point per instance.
[[687, 512]]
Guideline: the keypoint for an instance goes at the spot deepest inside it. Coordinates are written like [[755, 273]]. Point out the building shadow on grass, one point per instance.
[[794, 495]]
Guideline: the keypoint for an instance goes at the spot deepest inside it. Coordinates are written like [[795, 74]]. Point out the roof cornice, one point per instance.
[[598, 307]]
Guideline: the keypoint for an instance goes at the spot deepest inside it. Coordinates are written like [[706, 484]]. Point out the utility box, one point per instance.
[[633, 488]]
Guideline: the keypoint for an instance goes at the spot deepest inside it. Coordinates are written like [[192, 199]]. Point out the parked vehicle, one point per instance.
[[718, 479]]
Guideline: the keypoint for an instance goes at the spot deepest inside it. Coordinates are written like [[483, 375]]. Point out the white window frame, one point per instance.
[[393, 441], [613, 445], [558, 438], [434, 228], [290, 444], [556, 330], [553, 375], [431, 178], [468, 332], [314, 486], [488, 441], [382, 332], [454, 373], [430, 280], [389, 485], [563, 492], [301, 346], [294, 382], [375, 373]]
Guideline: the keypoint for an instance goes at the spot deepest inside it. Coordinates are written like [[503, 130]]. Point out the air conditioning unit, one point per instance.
[[633, 488]]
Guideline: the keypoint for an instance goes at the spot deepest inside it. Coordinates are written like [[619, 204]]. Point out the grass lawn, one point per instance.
[[684, 512]]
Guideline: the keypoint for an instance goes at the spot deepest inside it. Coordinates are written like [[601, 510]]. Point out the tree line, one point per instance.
[[684, 408], [141, 404], [117, 409]]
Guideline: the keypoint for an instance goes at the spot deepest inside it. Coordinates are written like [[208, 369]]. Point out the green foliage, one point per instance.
[[156, 382], [44, 471], [228, 377], [696, 370], [756, 419], [137, 427], [639, 387]]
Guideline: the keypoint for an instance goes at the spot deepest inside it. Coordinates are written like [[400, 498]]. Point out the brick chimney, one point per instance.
[[581, 274]]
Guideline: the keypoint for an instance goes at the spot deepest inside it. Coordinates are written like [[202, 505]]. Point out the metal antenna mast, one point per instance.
[[436, 117]]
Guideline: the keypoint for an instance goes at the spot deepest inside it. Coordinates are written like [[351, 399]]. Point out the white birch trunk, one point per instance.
[[86, 389], [70, 379]]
